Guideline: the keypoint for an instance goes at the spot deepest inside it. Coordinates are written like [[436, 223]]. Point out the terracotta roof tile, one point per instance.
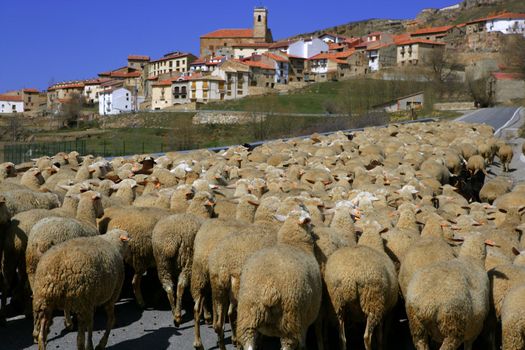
[[261, 45], [418, 41], [30, 90], [230, 33], [173, 56], [505, 15], [276, 57], [256, 64], [138, 58], [11, 98], [434, 30]]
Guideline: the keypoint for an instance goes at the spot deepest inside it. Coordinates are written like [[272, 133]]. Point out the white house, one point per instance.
[[307, 48], [332, 38], [11, 104], [116, 101], [507, 23]]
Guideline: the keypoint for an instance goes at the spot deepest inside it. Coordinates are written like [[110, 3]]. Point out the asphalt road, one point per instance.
[[497, 117], [153, 328]]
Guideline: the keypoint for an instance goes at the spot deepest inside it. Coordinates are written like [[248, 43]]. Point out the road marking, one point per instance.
[[509, 121]]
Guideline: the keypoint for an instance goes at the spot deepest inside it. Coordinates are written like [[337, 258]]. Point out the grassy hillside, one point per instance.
[[329, 97]]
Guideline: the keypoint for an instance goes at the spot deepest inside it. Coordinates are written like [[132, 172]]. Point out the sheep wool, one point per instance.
[[80, 275]]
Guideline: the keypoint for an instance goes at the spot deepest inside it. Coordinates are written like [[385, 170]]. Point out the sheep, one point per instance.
[[20, 200], [362, 280], [80, 275], [54, 230], [475, 164], [290, 300], [172, 243], [426, 251], [494, 188], [513, 319], [139, 223], [451, 311], [7, 170], [210, 234], [505, 154]]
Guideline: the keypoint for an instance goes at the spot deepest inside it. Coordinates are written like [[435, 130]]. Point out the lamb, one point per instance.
[[7, 170], [505, 154], [513, 318], [54, 230], [61, 283], [475, 164], [362, 279], [276, 310], [452, 311], [172, 243]]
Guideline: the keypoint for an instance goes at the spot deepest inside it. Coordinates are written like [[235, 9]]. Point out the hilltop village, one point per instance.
[[235, 63]]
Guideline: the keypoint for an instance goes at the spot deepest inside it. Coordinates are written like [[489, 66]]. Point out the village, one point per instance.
[[235, 63]]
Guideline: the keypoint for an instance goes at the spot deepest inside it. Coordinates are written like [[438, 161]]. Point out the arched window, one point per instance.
[[184, 89], [259, 18]]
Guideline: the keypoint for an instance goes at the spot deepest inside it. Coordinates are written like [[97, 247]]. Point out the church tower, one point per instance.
[[260, 23]]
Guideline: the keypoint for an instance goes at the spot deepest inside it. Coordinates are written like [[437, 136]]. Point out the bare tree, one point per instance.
[[443, 66], [69, 110]]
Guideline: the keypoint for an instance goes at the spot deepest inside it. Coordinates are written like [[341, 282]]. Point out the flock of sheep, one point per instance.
[[325, 231]]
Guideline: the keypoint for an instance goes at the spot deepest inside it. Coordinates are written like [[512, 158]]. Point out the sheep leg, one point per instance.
[[288, 343], [451, 343], [137, 277], [89, 327], [371, 323], [342, 334], [182, 283], [168, 288], [68, 322], [44, 322], [197, 310], [81, 337], [249, 343], [232, 316], [219, 309], [110, 313], [419, 335], [319, 332]]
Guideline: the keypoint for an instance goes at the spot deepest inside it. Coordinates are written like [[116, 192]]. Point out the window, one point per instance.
[[225, 44], [178, 63], [259, 18], [126, 106]]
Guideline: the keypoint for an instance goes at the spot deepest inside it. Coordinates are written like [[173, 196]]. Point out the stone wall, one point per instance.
[[211, 117], [454, 106]]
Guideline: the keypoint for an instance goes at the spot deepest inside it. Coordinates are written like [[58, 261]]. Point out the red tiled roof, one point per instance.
[[230, 33], [418, 41], [508, 76], [138, 58], [96, 81], [71, 85], [172, 56], [335, 46], [377, 46], [257, 64], [152, 78], [30, 90], [125, 74], [434, 30], [280, 44], [276, 57], [401, 37], [505, 15], [163, 83], [334, 56], [11, 98], [345, 54]]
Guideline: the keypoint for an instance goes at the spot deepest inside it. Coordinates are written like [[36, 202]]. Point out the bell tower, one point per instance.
[[260, 23]]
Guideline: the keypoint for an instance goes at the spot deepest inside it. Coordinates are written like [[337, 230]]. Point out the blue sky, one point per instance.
[[58, 40]]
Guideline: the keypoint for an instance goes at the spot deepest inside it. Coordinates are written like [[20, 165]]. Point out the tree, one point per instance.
[[69, 110], [443, 66]]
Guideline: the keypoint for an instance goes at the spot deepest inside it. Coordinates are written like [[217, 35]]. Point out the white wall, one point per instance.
[[373, 60], [307, 48], [507, 26], [116, 102], [11, 106]]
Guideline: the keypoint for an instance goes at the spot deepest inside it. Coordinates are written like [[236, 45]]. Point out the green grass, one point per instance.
[[320, 98]]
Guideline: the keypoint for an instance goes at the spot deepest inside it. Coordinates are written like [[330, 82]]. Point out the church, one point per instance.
[[222, 41]]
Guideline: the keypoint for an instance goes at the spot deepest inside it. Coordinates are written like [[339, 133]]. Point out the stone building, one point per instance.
[[222, 41], [505, 87], [417, 51]]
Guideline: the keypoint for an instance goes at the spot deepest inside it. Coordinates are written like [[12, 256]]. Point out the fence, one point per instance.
[[24, 152]]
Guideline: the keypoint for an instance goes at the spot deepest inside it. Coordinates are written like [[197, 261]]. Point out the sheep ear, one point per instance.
[[383, 230], [280, 218], [504, 211], [254, 203], [65, 187], [515, 251], [521, 209], [491, 243], [219, 193], [124, 238]]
